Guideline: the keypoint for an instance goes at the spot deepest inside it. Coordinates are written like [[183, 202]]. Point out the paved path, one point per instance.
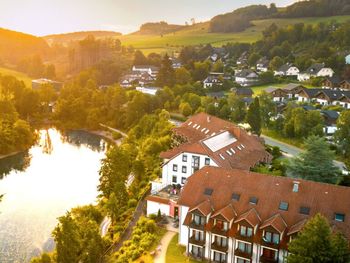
[[291, 151], [105, 225], [113, 129], [164, 243]]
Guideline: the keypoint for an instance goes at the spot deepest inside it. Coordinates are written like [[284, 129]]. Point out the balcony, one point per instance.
[[196, 242], [217, 247], [243, 254], [265, 259], [219, 231], [196, 257], [244, 238], [194, 225]]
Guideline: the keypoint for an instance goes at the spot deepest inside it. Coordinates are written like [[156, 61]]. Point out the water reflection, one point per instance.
[[58, 173], [18, 162]]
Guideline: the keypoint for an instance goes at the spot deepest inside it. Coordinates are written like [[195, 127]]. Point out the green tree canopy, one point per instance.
[[254, 116]]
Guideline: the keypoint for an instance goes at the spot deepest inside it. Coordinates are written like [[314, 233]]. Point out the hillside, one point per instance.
[[158, 28], [15, 45], [20, 76], [76, 36], [199, 34]]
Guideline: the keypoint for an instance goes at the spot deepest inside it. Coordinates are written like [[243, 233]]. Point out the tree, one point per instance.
[[343, 132], [276, 63], [254, 116], [166, 75], [267, 109], [237, 107], [200, 71], [182, 76], [253, 58], [315, 163], [267, 77], [316, 243], [139, 58], [185, 109]]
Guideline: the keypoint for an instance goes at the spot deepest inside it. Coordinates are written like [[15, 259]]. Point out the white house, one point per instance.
[[287, 69], [152, 70], [316, 70], [246, 77], [148, 90], [212, 81], [262, 64]]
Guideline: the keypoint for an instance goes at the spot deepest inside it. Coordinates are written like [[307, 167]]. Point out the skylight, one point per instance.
[[208, 191], [339, 217], [221, 156], [236, 196], [228, 152], [253, 200], [220, 141], [283, 206], [304, 210], [189, 123], [194, 125], [233, 151]]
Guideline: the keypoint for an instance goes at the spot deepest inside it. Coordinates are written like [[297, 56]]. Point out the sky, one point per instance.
[[43, 17]]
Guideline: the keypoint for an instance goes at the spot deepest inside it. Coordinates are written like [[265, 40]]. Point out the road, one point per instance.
[[291, 151]]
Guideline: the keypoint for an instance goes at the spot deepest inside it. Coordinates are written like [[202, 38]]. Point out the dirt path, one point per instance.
[[164, 243]]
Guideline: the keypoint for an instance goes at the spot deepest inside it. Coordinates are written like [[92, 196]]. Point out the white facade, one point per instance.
[[325, 72], [146, 90], [178, 169], [292, 71], [154, 207], [183, 230]]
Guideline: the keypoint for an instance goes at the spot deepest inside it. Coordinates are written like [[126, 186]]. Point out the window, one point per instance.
[[184, 158], [208, 191], [236, 196], [253, 200], [272, 238], [304, 210], [175, 167], [225, 226], [246, 231], [197, 251], [339, 217], [199, 220], [184, 169], [207, 161], [174, 179], [244, 247], [219, 257], [195, 163], [283, 206], [241, 260], [183, 180], [221, 241], [198, 235]]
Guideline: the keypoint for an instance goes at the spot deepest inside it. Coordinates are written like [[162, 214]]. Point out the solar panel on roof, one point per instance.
[[220, 141], [208, 191]]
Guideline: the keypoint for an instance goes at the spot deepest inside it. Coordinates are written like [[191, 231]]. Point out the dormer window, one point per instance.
[[339, 217], [246, 231], [253, 200]]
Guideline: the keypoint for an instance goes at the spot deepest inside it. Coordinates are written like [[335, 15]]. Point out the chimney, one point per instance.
[[296, 186]]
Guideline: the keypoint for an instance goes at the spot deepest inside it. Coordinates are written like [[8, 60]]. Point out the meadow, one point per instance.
[[20, 76], [199, 34]]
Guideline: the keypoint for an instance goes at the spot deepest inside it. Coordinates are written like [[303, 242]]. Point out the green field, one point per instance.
[[198, 34], [20, 76]]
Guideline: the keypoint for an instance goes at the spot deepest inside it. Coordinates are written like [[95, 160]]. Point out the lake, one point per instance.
[[57, 174]]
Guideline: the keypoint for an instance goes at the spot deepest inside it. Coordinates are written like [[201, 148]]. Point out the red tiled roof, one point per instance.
[[252, 217], [297, 227], [248, 149], [204, 208], [228, 212], [157, 199], [321, 198], [277, 222]]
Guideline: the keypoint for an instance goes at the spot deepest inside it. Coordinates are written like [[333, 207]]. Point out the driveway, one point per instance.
[[164, 243]]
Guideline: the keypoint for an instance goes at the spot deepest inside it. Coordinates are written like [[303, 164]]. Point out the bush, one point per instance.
[[116, 135], [132, 203]]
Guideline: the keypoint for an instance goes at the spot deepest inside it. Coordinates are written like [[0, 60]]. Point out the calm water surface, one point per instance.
[[59, 173]]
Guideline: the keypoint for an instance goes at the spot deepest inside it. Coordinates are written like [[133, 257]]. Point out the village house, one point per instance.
[[332, 97], [287, 69], [175, 63], [262, 64], [243, 59], [213, 81], [151, 70], [316, 70], [345, 85], [331, 82], [232, 215], [277, 94], [330, 119], [308, 95], [203, 140], [148, 90], [290, 91], [246, 77]]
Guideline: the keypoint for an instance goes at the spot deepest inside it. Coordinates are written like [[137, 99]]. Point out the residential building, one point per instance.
[[243, 59], [262, 64], [331, 82], [332, 97], [205, 140], [292, 90], [37, 83], [152, 70], [243, 92], [345, 85], [316, 70], [148, 90], [330, 118], [287, 69], [246, 77], [213, 81], [175, 63], [231, 215], [277, 94], [308, 95]]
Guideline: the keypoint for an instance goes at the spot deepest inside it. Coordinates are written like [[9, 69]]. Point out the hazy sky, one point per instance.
[[41, 17]]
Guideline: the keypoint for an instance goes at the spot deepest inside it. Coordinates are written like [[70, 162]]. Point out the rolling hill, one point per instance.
[[199, 34], [76, 36]]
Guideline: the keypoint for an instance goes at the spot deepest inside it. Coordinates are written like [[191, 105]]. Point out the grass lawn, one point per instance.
[[292, 141], [175, 252], [199, 34], [18, 75]]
